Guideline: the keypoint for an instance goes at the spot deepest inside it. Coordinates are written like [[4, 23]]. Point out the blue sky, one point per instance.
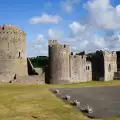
[[84, 24]]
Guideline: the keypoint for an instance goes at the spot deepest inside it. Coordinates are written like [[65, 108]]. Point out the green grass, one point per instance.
[[36, 102]]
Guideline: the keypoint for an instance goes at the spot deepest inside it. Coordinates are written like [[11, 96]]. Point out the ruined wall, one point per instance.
[[58, 63], [78, 68], [88, 71], [12, 52], [110, 65]]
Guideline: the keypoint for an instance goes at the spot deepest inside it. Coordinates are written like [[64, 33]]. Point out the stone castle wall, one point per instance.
[[78, 68], [12, 52], [62, 67], [110, 65], [88, 71], [58, 63], [66, 68]]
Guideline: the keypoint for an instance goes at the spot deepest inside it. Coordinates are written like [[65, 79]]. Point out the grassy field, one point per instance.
[[36, 102]]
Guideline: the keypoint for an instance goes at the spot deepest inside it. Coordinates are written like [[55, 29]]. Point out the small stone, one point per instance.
[[56, 91], [88, 109], [67, 97], [75, 102]]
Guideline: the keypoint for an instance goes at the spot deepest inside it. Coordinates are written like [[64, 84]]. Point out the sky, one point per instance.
[[86, 25]]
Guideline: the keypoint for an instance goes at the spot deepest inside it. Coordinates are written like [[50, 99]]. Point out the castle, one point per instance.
[[66, 68], [63, 66]]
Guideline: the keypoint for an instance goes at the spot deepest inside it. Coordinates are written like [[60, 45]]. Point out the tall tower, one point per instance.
[[110, 65], [58, 63], [12, 52]]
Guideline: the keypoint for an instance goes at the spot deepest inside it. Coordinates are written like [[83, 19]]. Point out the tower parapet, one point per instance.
[[11, 30], [110, 64], [52, 42]]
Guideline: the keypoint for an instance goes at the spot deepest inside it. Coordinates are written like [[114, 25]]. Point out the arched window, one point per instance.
[[82, 56], [71, 53], [88, 68], [19, 54], [109, 68]]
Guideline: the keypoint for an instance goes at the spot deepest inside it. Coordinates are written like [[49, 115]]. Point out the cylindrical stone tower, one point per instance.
[[58, 63], [13, 60]]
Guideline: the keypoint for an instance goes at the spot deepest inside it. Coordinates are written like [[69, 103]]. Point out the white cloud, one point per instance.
[[103, 15], [99, 42], [40, 37], [45, 19], [118, 10], [37, 47], [76, 28], [67, 5], [54, 34]]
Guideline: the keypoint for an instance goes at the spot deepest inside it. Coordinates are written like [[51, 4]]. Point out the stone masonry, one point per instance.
[[59, 71], [13, 60], [63, 67], [104, 65], [110, 65], [66, 68]]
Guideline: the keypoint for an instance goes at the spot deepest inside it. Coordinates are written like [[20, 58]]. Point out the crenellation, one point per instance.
[[77, 57], [9, 29], [52, 42]]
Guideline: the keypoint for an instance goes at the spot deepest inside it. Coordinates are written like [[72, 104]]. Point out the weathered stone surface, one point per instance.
[[58, 62], [110, 65], [36, 79], [66, 68], [12, 52]]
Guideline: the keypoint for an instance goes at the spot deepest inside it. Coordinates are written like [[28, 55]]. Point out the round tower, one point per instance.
[[58, 63], [13, 60]]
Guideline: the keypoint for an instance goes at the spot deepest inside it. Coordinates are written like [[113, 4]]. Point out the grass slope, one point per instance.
[[36, 102]]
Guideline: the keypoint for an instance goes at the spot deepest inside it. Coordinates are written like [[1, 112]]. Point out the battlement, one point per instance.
[[59, 46], [52, 42], [10, 29], [78, 56], [109, 54]]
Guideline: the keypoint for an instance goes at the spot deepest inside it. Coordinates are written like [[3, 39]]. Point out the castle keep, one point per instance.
[[13, 60], [63, 66]]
